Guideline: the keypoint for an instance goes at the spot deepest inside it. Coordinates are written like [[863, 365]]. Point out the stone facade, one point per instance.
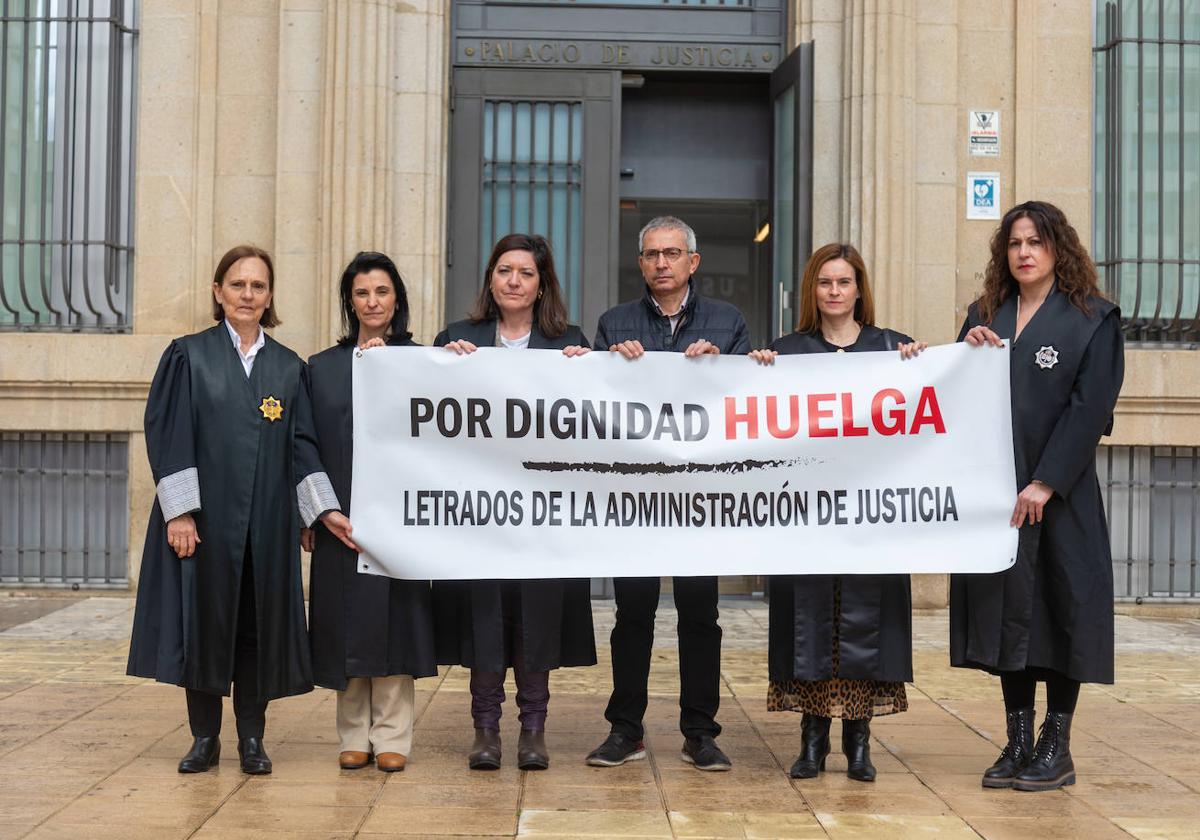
[[316, 129]]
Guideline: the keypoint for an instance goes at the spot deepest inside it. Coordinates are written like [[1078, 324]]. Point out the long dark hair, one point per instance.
[[270, 317], [864, 308], [1074, 271], [364, 262], [549, 311]]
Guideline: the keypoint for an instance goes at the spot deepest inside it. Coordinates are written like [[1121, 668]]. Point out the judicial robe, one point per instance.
[[208, 433], [875, 626], [556, 615], [1053, 609], [360, 625]]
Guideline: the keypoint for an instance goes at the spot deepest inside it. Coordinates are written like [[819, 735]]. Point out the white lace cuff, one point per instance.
[[179, 493], [315, 496]]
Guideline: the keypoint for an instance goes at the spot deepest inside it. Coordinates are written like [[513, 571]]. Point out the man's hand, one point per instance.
[[701, 347], [631, 349], [182, 535]]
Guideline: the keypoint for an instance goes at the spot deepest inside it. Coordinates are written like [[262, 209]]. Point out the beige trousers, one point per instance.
[[375, 714]]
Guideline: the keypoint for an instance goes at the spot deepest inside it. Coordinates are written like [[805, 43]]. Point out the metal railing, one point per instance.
[[1152, 500], [67, 72], [1147, 159], [64, 509]]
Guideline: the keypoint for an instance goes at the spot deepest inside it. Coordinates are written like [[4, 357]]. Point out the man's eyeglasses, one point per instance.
[[672, 254]]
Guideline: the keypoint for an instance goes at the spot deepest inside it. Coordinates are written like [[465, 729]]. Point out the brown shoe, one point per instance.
[[531, 750], [390, 762], [353, 759], [485, 752]]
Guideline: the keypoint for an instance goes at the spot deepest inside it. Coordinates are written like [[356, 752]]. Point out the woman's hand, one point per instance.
[[631, 349], [340, 527], [182, 535], [373, 342], [308, 539], [701, 347], [912, 350], [1030, 503], [981, 335], [763, 357], [573, 350], [462, 347]]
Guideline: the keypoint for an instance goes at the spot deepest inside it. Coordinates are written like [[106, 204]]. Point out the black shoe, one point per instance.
[[485, 752], [814, 746], [254, 757], [856, 744], [616, 750], [1051, 767], [1016, 754], [531, 750], [704, 754], [205, 753]]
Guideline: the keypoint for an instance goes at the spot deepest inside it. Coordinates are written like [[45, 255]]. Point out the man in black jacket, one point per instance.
[[671, 317]]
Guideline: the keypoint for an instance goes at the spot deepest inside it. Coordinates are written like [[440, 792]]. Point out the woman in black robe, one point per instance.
[[534, 626], [219, 597], [838, 645], [370, 635], [1050, 616]]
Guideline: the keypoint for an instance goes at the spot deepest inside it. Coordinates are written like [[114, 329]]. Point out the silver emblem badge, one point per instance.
[[1046, 357]]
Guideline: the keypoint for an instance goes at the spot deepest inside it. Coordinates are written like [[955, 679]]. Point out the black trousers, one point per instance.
[[204, 709], [699, 654]]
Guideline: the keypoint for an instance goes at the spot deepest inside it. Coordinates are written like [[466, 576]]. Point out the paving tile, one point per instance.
[[286, 818], [1059, 828], [493, 797], [585, 824], [863, 826], [1151, 828], [386, 819]]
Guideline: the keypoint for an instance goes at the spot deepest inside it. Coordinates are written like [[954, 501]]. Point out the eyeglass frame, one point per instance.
[[657, 252]]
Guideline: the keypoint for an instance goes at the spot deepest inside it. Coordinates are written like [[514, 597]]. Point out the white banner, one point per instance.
[[515, 464]]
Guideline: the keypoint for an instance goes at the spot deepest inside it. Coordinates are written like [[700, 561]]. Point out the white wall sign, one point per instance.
[[983, 133], [983, 195], [524, 463]]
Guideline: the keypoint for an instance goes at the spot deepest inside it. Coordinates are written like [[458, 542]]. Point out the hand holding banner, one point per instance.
[[528, 464]]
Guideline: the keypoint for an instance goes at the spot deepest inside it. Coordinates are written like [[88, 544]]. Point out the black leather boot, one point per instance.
[[1017, 753], [531, 750], [1051, 767], [814, 746], [485, 752], [254, 757], [205, 753], [856, 744]]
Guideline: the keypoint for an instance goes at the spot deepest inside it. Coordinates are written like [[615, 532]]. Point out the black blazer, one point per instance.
[[483, 334]]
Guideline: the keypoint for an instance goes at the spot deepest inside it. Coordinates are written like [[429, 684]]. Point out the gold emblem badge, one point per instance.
[[271, 408]]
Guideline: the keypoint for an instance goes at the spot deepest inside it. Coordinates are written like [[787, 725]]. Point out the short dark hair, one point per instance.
[[270, 318], [549, 311], [364, 262]]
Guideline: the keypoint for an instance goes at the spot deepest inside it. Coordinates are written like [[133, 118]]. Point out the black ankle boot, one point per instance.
[[485, 752], [856, 744], [1017, 753], [814, 746], [1051, 766], [254, 757], [205, 753], [531, 750]]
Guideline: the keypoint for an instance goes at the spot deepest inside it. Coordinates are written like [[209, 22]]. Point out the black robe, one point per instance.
[[1053, 609], [204, 414], [556, 615], [360, 625], [875, 630]]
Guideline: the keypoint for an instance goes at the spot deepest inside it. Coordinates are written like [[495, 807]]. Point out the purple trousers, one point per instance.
[[533, 687]]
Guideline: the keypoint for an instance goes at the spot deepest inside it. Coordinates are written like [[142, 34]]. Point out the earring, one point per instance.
[[539, 294]]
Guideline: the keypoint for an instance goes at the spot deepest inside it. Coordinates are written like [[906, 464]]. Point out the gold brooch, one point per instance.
[[271, 408]]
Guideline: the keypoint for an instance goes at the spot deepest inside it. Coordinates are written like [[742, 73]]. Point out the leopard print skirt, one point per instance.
[[837, 697]]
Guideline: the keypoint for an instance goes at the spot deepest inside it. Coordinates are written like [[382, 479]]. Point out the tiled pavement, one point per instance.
[[86, 752]]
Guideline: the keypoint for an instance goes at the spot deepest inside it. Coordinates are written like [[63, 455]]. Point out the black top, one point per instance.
[[701, 318]]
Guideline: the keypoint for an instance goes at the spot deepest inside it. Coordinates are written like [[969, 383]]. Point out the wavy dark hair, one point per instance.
[[864, 308], [270, 317], [364, 262], [549, 311], [1074, 272]]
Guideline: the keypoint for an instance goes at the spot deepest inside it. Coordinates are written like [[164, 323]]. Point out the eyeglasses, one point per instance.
[[672, 254]]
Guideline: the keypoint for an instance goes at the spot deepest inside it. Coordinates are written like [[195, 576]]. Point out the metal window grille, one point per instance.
[[1152, 500], [532, 178], [67, 70], [64, 509], [1147, 158]]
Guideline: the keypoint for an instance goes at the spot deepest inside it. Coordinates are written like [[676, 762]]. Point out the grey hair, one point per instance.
[[668, 223]]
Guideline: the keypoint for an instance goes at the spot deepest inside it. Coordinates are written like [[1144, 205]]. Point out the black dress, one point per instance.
[[204, 414], [839, 646], [360, 625], [1053, 610], [556, 615]]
